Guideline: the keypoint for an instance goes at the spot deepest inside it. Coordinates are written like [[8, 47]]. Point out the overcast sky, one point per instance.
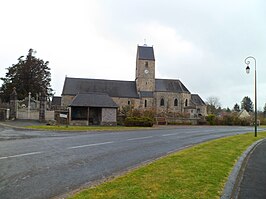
[[201, 42]]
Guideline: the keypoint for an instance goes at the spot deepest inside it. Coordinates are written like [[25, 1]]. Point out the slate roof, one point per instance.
[[196, 99], [56, 101], [145, 53], [93, 100], [170, 85], [147, 94], [116, 88], [113, 88]]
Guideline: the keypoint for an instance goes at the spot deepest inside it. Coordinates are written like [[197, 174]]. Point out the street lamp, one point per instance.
[[247, 71]]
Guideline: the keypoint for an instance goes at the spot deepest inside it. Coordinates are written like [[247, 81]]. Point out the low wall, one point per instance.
[[79, 122], [34, 115], [176, 121]]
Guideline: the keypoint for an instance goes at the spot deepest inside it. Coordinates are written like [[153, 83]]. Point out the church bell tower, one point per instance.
[[145, 69]]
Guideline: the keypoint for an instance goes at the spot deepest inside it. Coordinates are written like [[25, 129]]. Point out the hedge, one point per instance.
[[139, 121]]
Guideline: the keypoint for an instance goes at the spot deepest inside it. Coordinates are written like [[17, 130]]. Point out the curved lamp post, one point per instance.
[[248, 70]]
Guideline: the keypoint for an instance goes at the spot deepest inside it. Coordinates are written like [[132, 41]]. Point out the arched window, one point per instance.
[[186, 103], [175, 102], [162, 102], [145, 103]]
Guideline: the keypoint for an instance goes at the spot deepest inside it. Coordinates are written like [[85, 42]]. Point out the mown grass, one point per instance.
[[86, 128], [198, 172]]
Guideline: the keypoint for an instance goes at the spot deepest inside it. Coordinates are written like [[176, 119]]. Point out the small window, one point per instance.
[[128, 102], [146, 64], [176, 102], [162, 102], [145, 103], [186, 103]]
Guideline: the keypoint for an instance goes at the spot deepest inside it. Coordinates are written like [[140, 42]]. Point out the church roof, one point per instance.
[[196, 99], [113, 88], [93, 100], [170, 85], [145, 53], [117, 88], [147, 94]]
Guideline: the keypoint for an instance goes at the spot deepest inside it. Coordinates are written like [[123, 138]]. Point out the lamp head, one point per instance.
[[247, 69]]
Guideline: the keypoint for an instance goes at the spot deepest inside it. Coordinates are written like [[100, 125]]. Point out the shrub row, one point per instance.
[[139, 121], [227, 120]]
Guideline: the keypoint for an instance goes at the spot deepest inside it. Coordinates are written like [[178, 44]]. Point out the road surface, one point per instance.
[[39, 164]]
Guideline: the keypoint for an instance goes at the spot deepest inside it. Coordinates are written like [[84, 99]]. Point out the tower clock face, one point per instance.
[[146, 71]]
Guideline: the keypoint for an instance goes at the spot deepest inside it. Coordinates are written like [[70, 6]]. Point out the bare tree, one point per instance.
[[213, 105]]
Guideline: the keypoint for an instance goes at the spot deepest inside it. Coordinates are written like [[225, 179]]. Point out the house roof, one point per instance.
[[113, 88], [196, 99], [56, 101], [170, 85], [145, 53], [243, 114], [93, 100]]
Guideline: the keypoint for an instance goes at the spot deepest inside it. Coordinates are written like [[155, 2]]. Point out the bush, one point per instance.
[[210, 119], [139, 121], [228, 119]]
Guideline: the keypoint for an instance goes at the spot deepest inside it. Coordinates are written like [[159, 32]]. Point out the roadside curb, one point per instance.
[[12, 126], [236, 175]]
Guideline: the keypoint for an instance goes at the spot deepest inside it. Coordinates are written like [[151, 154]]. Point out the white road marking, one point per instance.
[[140, 138], [21, 155], [169, 134], [82, 146], [88, 145]]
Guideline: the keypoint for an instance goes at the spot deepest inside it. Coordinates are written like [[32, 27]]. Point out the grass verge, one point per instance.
[[198, 172], [86, 128]]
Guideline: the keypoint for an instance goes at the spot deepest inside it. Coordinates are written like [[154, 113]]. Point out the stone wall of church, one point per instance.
[[145, 75], [145, 84], [147, 103], [66, 100], [122, 102], [169, 104], [135, 103], [203, 110], [141, 66]]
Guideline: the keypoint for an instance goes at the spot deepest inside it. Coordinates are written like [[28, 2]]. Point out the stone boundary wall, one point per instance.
[[34, 115], [175, 121]]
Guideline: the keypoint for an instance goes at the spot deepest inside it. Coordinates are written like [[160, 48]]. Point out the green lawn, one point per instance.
[[86, 128], [198, 172]]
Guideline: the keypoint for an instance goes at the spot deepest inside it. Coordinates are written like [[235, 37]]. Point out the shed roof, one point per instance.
[[145, 53], [93, 100], [113, 88]]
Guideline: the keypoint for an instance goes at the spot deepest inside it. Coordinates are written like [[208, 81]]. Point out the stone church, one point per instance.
[[95, 101]]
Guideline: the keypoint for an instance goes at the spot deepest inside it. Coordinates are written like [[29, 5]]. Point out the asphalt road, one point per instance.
[[38, 164]]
